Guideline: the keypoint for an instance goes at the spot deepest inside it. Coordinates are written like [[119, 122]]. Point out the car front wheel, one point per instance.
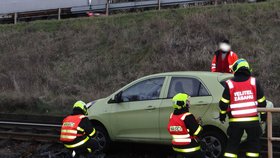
[[102, 138], [213, 144]]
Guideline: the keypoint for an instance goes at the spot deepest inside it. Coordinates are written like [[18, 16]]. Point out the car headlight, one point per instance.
[[88, 105]]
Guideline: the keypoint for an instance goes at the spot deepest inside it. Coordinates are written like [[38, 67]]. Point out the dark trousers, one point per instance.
[[86, 149], [235, 133]]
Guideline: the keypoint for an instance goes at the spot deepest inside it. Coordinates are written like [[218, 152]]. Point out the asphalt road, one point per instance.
[[139, 150], [16, 149]]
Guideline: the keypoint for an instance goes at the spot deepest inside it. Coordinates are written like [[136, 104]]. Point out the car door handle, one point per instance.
[[150, 107], [202, 103]]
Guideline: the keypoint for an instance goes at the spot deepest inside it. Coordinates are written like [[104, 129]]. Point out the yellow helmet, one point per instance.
[[240, 63], [180, 100], [82, 105]]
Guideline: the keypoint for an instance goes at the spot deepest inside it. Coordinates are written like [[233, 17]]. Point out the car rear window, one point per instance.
[[223, 81]]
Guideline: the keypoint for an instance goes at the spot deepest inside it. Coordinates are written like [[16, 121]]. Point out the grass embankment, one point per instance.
[[46, 65]]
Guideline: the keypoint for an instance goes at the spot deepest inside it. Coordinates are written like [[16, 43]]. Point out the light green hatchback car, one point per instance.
[[140, 111]]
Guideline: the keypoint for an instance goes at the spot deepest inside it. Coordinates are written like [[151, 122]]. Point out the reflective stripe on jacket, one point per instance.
[[70, 128], [243, 98]]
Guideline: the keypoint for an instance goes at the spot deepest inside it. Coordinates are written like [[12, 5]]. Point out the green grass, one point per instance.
[[47, 65]]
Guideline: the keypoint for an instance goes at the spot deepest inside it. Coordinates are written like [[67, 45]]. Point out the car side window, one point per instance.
[[191, 86], [144, 90]]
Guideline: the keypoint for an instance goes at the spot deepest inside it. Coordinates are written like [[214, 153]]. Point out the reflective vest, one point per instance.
[[69, 129], [219, 65], [178, 130], [243, 99]]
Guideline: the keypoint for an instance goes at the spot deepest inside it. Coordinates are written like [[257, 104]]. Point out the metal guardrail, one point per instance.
[[43, 128], [106, 6], [270, 137], [29, 131], [133, 5]]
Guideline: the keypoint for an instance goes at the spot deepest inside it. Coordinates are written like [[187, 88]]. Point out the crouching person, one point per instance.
[[77, 132], [184, 129]]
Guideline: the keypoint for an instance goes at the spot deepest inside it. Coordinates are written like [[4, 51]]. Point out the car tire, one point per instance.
[[103, 138], [213, 144]]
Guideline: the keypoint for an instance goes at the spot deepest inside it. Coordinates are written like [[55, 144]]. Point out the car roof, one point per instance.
[[218, 75]]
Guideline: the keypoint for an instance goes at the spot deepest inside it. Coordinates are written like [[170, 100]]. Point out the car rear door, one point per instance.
[[136, 117], [200, 99]]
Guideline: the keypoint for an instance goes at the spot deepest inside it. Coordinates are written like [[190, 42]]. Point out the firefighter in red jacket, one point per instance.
[[241, 97], [184, 128], [223, 58], [77, 132]]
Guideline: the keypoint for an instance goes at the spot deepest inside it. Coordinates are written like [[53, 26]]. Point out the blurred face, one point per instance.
[[224, 47]]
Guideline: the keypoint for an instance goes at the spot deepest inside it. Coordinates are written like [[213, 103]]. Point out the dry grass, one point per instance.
[[50, 64]]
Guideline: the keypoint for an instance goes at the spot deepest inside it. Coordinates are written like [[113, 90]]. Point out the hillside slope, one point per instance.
[[46, 65]]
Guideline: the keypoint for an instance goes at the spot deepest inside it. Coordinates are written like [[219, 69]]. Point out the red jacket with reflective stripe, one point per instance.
[[243, 98], [178, 130], [69, 129], [220, 65]]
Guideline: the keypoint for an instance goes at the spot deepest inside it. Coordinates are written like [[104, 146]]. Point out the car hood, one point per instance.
[[91, 104]]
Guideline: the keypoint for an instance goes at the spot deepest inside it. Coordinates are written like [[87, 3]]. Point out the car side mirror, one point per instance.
[[117, 98]]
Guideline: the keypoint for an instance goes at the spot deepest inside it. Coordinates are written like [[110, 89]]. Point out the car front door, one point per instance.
[[200, 100], [136, 116]]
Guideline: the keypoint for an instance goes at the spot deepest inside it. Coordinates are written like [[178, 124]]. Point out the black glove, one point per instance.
[[222, 117], [263, 117]]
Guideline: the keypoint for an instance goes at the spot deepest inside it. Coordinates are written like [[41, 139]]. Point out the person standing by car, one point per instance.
[[241, 97], [77, 132], [184, 128], [223, 58]]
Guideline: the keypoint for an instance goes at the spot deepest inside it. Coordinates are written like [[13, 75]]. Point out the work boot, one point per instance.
[[73, 154]]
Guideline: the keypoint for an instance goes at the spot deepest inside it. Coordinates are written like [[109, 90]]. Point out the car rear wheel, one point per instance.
[[103, 138], [213, 144]]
